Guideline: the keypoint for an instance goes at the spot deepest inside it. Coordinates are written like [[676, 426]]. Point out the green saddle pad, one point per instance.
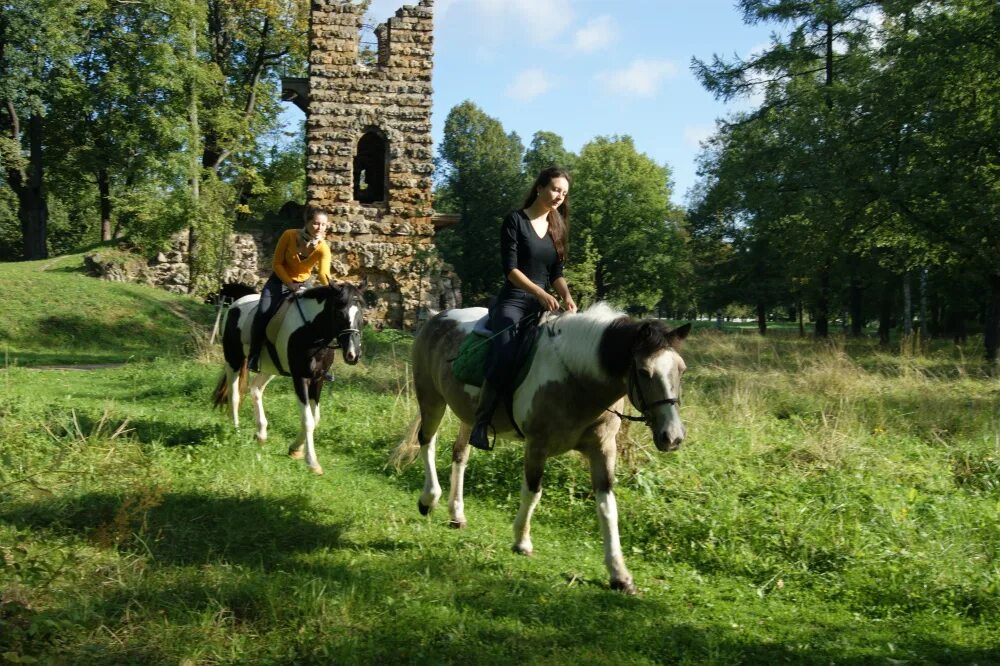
[[469, 366]]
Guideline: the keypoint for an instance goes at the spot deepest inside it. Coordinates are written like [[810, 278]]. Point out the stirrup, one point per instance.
[[253, 363], [482, 442]]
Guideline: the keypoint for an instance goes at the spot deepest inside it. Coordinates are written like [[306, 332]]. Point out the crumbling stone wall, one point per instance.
[[389, 240]]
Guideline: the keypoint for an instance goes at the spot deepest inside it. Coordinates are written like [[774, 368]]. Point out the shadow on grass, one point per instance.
[[186, 528], [320, 598]]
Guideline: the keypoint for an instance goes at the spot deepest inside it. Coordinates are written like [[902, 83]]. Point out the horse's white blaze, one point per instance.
[[352, 315], [607, 516], [666, 368]]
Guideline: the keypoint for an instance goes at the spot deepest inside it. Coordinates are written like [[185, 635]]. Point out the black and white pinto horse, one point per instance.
[[304, 333], [584, 366]]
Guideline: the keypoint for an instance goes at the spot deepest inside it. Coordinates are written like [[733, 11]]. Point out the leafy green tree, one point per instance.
[[546, 150], [482, 180], [621, 203], [37, 40], [118, 114], [932, 112]]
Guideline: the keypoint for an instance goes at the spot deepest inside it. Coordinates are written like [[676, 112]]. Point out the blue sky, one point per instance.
[[586, 68]]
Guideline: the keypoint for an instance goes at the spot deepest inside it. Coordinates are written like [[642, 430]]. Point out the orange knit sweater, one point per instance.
[[290, 268]]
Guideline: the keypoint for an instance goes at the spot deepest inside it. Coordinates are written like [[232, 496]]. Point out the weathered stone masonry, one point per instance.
[[369, 160]]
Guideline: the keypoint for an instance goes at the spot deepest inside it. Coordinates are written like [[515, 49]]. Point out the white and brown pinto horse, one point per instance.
[[584, 366], [302, 339]]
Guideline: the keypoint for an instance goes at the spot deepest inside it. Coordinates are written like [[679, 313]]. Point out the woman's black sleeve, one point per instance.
[[508, 243], [556, 270]]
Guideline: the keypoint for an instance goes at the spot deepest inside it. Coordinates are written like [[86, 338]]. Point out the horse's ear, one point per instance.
[[364, 283], [678, 335]]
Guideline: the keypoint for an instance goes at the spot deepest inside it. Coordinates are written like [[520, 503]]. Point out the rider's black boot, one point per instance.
[[488, 398]]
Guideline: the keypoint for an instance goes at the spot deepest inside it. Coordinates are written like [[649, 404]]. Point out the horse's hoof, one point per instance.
[[457, 524], [296, 454], [317, 470], [424, 509], [522, 550], [625, 587]]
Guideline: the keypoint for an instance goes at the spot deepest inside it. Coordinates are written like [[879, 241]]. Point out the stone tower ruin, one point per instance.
[[369, 154]]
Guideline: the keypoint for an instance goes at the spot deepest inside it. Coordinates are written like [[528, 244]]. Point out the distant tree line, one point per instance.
[[863, 187]]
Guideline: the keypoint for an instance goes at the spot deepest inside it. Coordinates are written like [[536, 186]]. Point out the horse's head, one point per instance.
[[347, 310], [654, 381]]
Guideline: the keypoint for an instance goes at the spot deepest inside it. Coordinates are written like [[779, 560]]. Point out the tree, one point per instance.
[[546, 150], [480, 167], [621, 204], [37, 40], [116, 115]]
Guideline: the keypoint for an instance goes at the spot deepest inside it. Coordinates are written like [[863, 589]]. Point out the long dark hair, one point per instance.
[[559, 218]]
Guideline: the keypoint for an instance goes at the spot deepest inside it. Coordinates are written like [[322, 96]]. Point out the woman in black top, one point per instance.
[[533, 243]]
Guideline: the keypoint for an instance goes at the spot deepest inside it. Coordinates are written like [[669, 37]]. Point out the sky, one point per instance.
[[588, 68]]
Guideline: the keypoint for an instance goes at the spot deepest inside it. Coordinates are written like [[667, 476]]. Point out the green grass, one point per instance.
[[833, 504]]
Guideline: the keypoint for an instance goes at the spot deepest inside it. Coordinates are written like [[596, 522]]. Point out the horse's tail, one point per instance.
[[220, 397], [408, 448]]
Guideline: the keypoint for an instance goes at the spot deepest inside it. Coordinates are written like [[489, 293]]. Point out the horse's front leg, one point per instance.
[[531, 492], [456, 491], [257, 386], [308, 393], [602, 474]]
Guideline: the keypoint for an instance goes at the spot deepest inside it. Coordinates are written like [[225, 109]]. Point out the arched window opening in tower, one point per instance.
[[370, 163]]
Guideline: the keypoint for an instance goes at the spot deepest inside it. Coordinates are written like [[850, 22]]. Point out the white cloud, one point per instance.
[[597, 34], [695, 134], [528, 84], [641, 78], [541, 20]]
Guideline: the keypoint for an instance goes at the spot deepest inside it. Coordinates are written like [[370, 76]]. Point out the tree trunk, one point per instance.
[[33, 208], [104, 191], [924, 332], [992, 332], [885, 313], [195, 178], [802, 320], [857, 307], [907, 306], [823, 305], [761, 319]]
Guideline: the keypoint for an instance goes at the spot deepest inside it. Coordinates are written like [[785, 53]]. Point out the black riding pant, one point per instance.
[[512, 306], [272, 296]]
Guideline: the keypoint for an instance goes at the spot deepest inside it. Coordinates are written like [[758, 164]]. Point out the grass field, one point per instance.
[[833, 503]]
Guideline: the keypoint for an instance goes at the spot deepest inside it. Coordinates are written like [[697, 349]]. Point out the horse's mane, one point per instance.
[[583, 333], [344, 290]]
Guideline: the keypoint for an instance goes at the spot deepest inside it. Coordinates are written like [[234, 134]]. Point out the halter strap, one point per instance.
[[643, 406]]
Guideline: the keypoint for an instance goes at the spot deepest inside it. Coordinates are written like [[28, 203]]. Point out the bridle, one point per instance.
[[336, 343], [643, 405]]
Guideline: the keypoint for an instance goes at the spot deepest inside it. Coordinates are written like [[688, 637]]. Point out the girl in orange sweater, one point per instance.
[[299, 251]]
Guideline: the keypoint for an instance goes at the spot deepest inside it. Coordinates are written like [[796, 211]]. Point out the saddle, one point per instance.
[[469, 366]]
